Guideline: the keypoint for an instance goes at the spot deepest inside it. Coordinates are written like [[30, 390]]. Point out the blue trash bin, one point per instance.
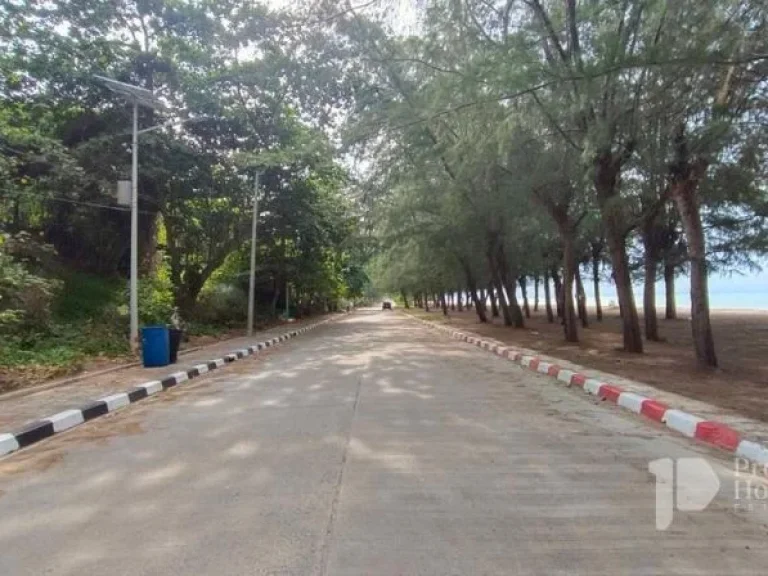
[[155, 346]]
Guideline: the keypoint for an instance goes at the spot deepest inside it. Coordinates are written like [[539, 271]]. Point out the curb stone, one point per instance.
[[46, 427], [713, 433]]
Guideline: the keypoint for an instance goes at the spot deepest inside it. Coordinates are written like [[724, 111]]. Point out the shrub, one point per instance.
[[156, 297], [223, 304], [86, 296], [25, 298]]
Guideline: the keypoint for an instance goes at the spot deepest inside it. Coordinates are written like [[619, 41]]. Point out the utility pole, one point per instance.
[[134, 298], [287, 299], [252, 283]]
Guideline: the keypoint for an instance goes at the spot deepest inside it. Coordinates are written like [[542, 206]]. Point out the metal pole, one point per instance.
[[252, 283], [134, 301], [287, 299]]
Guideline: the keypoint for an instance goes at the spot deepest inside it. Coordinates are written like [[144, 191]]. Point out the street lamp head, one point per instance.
[[133, 94]]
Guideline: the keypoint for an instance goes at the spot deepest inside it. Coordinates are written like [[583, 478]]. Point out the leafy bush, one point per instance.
[[85, 296], [25, 298], [156, 297], [66, 344], [223, 304]]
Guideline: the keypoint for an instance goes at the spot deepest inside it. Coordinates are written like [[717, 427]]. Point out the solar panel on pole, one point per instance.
[[141, 96]]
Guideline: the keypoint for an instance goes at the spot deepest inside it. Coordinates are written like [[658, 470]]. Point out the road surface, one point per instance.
[[369, 446]]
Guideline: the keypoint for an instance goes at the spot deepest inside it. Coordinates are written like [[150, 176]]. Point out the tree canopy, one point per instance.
[[523, 138], [479, 147]]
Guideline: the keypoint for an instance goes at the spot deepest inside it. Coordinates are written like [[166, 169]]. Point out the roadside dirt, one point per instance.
[[741, 337], [23, 406], [26, 376]]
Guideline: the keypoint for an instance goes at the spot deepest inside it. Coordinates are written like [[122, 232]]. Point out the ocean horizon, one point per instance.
[[735, 292]]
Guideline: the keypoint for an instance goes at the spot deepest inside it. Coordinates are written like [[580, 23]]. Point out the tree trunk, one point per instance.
[[506, 311], [581, 298], [607, 172], [570, 326], [405, 299], [632, 337], [459, 300], [472, 289], [517, 312], [497, 284], [426, 301], [649, 295], [548, 299], [443, 304], [596, 285], [495, 267], [452, 298], [558, 291], [480, 308], [684, 194], [509, 287], [536, 293], [492, 297], [685, 175], [669, 288], [524, 291]]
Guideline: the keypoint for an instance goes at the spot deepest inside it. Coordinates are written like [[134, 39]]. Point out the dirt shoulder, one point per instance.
[[17, 409], [19, 378], [740, 384]]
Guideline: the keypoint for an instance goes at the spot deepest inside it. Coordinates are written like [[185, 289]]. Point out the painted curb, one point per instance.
[[710, 432], [46, 427]]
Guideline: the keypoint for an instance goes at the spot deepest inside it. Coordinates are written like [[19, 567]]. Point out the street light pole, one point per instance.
[[252, 283], [134, 289], [136, 96], [287, 299]]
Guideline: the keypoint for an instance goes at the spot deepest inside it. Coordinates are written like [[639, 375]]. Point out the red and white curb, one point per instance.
[[710, 432], [46, 427]]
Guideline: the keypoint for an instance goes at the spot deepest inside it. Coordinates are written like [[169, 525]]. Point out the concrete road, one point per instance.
[[370, 446]]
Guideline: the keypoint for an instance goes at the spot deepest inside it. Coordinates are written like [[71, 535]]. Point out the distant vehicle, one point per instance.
[[386, 305]]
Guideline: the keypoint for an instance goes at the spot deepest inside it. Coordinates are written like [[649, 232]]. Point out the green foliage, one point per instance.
[[25, 298], [63, 144], [222, 305], [87, 296], [66, 344], [156, 297], [80, 319]]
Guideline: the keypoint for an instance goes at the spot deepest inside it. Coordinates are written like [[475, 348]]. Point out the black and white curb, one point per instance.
[[47, 427]]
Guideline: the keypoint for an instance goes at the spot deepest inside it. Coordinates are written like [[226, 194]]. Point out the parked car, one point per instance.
[[386, 305]]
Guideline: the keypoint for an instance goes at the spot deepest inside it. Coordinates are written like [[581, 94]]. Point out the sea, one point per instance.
[[738, 291], [747, 291]]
